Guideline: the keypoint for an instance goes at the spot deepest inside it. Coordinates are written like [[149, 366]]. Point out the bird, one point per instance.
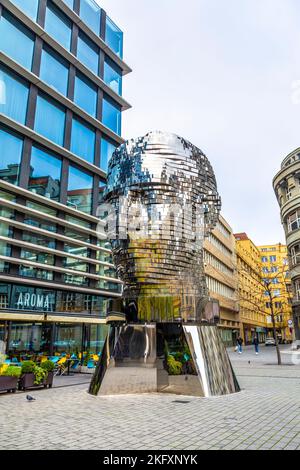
[[29, 398]]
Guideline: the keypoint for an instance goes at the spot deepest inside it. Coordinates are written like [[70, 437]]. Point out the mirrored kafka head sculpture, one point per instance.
[[164, 200]]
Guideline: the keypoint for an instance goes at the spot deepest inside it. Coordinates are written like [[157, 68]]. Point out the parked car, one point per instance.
[[270, 342]]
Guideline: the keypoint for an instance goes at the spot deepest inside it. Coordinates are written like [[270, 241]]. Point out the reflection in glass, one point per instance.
[[85, 95], [16, 41], [83, 141], [37, 257], [112, 75], [30, 271], [70, 3], [53, 128], [111, 116], [54, 71], [13, 96], [114, 37], [11, 151], [107, 149], [58, 25], [79, 194], [91, 13], [40, 223], [45, 171], [38, 240], [88, 53], [30, 7]]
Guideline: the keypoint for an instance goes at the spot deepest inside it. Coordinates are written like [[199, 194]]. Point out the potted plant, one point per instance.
[[9, 378], [48, 366], [31, 375]]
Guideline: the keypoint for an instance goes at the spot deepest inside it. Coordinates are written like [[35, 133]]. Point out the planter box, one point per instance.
[[8, 384], [27, 381], [87, 370]]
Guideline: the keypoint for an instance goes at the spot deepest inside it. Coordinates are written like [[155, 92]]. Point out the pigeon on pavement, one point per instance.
[[29, 398]]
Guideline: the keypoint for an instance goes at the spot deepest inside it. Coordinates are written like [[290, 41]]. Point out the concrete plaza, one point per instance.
[[264, 415]]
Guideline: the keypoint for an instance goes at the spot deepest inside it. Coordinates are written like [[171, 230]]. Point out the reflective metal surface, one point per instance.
[[162, 201], [171, 203]]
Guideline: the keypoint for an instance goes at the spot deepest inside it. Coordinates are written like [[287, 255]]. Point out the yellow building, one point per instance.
[[253, 316], [274, 259], [221, 278]]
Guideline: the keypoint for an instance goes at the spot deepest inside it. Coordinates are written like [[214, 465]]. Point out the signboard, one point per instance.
[[33, 301]]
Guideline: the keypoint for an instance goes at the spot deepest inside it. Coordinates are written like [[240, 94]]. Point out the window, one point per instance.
[[293, 222], [265, 270], [83, 141], [88, 53], [16, 41], [111, 116], [295, 254], [272, 259], [70, 3], [114, 37], [264, 259], [107, 149], [54, 71], [113, 75], [13, 96], [53, 128], [85, 95], [297, 289], [11, 151], [275, 280], [79, 194], [276, 292], [30, 7], [58, 25], [38, 240], [91, 14], [45, 172]]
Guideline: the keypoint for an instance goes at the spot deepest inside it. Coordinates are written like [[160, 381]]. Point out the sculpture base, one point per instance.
[[165, 357]]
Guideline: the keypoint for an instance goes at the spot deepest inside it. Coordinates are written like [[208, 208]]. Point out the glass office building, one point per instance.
[[61, 70]]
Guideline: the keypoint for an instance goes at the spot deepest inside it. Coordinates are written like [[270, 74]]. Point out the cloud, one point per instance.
[[220, 74]]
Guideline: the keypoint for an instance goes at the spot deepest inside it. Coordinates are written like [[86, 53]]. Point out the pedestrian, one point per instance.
[[256, 343], [240, 344]]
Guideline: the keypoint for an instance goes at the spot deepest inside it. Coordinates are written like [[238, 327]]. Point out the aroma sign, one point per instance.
[[34, 301]]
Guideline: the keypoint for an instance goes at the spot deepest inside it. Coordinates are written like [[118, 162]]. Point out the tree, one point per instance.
[[263, 291]]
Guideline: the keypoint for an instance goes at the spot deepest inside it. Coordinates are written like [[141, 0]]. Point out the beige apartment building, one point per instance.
[[221, 278]]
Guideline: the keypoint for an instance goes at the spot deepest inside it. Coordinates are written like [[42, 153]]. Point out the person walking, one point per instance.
[[240, 344], [256, 343]]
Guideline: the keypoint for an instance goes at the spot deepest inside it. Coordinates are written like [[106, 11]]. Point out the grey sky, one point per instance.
[[220, 74]]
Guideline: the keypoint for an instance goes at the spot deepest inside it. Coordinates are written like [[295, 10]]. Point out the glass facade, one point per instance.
[[91, 14], [70, 3], [58, 25], [54, 71], [16, 41], [13, 96], [107, 149], [83, 140], [30, 7], [88, 53], [11, 151], [85, 95], [45, 173], [38, 224], [52, 127], [79, 190], [111, 115], [114, 37], [112, 75]]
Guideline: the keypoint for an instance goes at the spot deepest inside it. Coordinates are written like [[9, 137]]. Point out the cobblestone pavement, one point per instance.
[[264, 415]]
